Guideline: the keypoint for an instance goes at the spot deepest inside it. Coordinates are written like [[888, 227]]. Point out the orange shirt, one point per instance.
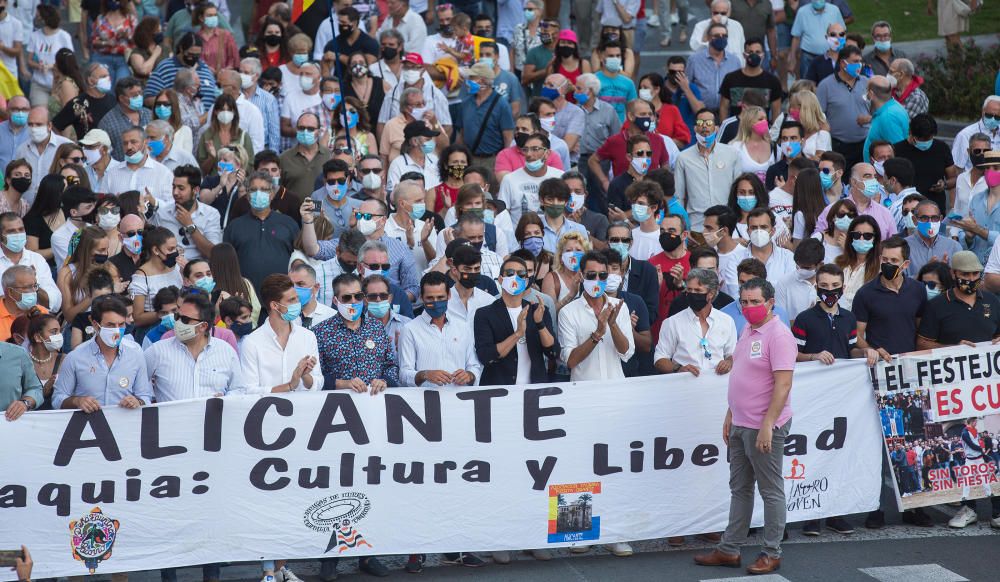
[[7, 320]]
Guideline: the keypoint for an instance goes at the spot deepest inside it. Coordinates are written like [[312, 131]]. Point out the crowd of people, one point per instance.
[[437, 195]]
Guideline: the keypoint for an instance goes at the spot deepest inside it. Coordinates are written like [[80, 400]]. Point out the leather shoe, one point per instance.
[[676, 541], [764, 565], [714, 537], [717, 558]]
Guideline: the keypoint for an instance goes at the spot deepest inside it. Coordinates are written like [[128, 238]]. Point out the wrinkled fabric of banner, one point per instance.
[[308, 475]]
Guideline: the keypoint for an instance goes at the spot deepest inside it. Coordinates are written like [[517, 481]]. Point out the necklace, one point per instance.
[[39, 361]]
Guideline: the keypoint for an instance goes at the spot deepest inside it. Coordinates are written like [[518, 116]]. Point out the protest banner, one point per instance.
[[925, 401], [307, 475]]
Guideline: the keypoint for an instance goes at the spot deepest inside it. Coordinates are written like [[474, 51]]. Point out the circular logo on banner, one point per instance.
[[338, 514], [93, 536]]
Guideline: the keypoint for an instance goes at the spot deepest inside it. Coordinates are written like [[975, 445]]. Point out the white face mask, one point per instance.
[[38, 134], [367, 227], [226, 117], [109, 221], [646, 94], [547, 123], [614, 282], [760, 238], [306, 83], [418, 112], [54, 343], [411, 76], [246, 81], [185, 332], [93, 156], [371, 181]]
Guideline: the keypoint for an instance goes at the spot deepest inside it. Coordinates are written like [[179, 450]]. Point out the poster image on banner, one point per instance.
[[482, 468], [939, 412]]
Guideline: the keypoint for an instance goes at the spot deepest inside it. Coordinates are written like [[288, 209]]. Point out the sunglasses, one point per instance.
[[302, 128], [377, 296], [642, 154], [935, 218], [379, 266], [627, 240], [515, 272], [342, 150], [366, 215], [189, 320], [990, 116], [75, 159], [184, 236], [340, 181], [847, 214], [131, 233], [162, 104], [366, 171], [595, 275], [838, 34], [862, 235], [931, 284], [703, 342], [104, 210], [352, 297], [704, 123]]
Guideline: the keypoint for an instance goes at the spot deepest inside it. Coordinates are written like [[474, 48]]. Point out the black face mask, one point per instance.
[[189, 204], [754, 59], [389, 53], [272, 40], [170, 261], [565, 52], [967, 287], [644, 123], [347, 267], [20, 184], [158, 38], [446, 30], [610, 37], [468, 280], [830, 297], [697, 301], [977, 159], [100, 259], [890, 271], [669, 242], [191, 60], [520, 139], [346, 30], [484, 32]]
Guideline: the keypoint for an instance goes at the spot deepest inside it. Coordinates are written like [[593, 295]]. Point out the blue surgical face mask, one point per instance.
[[379, 308], [206, 284], [135, 103], [883, 46], [932, 293], [826, 180], [818, 5], [306, 137], [292, 312], [28, 300], [300, 59], [853, 69], [436, 309], [613, 64], [259, 200], [842, 223], [621, 247], [862, 246], [923, 145], [428, 147], [352, 119], [305, 294], [19, 118], [871, 187], [489, 216], [16, 241], [167, 321], [211, 21], [472, 87], [488, 61], [156, 147], [581, 98], [163, 112], [640, 212], [988, 122], [418, 210], [535, 165], [746, 203], [226, 167], [134, 158]]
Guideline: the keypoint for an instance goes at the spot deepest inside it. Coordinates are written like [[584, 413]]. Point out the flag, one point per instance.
[[308, 14]]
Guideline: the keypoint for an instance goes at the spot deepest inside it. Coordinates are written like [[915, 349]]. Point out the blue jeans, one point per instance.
[[115, 64]]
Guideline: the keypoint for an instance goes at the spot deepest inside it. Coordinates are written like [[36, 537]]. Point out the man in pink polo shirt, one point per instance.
[[755, 429]]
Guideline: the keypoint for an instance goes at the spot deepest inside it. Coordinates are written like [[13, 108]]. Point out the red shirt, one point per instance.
[[672, 125], [667, 295], [443, 191], [616, 150]]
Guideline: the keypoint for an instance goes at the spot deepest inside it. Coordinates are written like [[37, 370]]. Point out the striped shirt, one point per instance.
[[115, 122], [163, 78], [85, 372], [403, 271], [268, 105], [177, 375], [151, 174]]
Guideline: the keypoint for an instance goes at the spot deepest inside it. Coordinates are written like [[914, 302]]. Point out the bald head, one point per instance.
[[229, 82], [130, 223], [880, 89], [18, 102], [38, 115], [558, 82]]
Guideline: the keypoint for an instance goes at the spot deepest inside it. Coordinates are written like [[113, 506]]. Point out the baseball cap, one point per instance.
[[95, 137], [479, 70], [966, 262], [413, 58], [418, 128]]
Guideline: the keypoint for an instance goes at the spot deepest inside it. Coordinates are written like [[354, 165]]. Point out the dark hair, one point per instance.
[[221, 101], [206, 309], [762, 211], [488, 176], [540, 137], [943, 272], [165, 296], [809, 252], [282, 47], [877, 144], [124, 84], [766, 289], [189, 172], [758, 191], [897, 242], [232, 306], [553, 188], [153, 237], [830, 269], [265, 156], [847, 52], [47, 200], [99, 279], [188, 40], [433, 279], [750, 41], [364, 123], [67, 64], [636, 140], [49, 15], [648, 188], [677, 60], [225, 265], [656, 80], [189, 266], [334, 166], [702, 252], [792, 124], [665, 178], [725, 217], [344, 279], [37, 322], [807, 198], [902, 170], [850, 255], [834, 209], [350, 12], [466, 256], [107, 303], [752, 266], [272, 288], [145, 31], [443, 159], [857, 38], [514, 259], [838, 160], [595, 256]]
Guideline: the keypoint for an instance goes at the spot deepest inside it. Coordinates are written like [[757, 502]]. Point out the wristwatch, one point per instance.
[[27, 403], [189, 229]]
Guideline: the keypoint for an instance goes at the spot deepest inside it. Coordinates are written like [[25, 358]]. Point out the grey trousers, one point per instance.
[[748, 466], [663, 11], [586, 27]]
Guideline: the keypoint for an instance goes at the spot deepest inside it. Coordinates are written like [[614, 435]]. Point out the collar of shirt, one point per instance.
[[775, 320], [95, 350]]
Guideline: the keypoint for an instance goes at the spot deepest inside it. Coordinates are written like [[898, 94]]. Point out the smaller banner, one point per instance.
[[931, 405]]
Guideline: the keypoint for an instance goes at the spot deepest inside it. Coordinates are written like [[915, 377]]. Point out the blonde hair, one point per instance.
[[810, 114], [238, 152], [748, 117], [561, 247], [300, 41]]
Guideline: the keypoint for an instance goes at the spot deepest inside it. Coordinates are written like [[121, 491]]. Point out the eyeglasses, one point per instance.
[[189, 320], [366, 215], [342, 150], [515, 273], [595, 275], [131, 233], [333, 181], [626, 240], [862, 235], [532, 150], [925, 218], [642, 154], [366, 171], [75, 159], [377, 296], [349, 297], [709, 123], [850, 215], [826, 171], [838, 34], [378, 266], [34, 287], [105, 210]]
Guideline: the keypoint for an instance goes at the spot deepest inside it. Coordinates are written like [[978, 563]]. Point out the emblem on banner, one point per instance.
[[338, 515], [571, 513], [798, 471], [93, 536]]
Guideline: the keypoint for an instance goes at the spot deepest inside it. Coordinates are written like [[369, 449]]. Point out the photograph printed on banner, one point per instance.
[[937, 455]]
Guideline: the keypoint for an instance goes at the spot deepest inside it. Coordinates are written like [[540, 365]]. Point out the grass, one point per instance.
[[910, 21]]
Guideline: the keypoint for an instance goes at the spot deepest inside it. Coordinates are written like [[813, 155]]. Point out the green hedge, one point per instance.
[[956, 83]]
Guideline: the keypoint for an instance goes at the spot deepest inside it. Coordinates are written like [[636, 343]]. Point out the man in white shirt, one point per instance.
[[198, 226], [796, 291], [251, 119], [988, 124], [161, 145], [464, 270], [971, 180], [390, 67], [408, 23], [595, 333], [77, 204], [12, 240], [404, 226], [720, 13], [192, 363], [719, 227], [140, 171], [12, 38], [519, 189], [699, 338], [704, 173], [435, 351], [415, 75], [302, 99], [279, 356], [307, 288], [40, 148], [778, 260]]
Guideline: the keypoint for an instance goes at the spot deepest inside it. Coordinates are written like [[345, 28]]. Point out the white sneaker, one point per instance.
[[267, 579], [653, 20], [620, 549], [501, 557], [965, 516], [995, 522], [579, 549], [541, 555], [289, 576], [675, 18]]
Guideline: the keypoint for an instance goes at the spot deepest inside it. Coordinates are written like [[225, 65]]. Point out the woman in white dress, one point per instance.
[[753, 142]]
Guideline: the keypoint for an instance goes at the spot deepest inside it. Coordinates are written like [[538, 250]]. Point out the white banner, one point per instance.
[[412, 471]]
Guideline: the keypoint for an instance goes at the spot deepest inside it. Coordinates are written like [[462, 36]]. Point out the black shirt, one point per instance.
[[616, 191], [891, 317], [264, 246], [365, 45], [929, 167], [738, 83], [949, 320], [83, 112], [375, 99], [820, 68], [125, 265], [640, 364], [817, 331], [779, 168]]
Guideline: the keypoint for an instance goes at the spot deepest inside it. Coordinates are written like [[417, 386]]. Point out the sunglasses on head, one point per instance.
[[523, 273], [352, 297], [862, 235], [595, 275]]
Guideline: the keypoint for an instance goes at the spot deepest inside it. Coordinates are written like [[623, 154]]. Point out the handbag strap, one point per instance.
[[486, 119]]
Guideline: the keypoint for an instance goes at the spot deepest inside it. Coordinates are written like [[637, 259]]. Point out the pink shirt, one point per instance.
[[881, 214], [511, 159], [759, 353]]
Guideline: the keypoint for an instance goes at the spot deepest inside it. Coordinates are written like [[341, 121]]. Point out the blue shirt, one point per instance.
[[163, 78], [268, 105], [616, 91], [9, 142], [85, 372], [810, 26], [735, 310], [403, 271], [474, 118], [675, 207], [706, 73], [988, 220], [551, 237], [890, 123], [682, 103]]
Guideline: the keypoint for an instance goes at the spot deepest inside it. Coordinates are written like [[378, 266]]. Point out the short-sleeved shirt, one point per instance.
[[949, 320], [616, 150], [842, 104], [929, 167], [263, 246], [365, 45], [759, 354], [600, 123], [707, 74], [816, 331], [811, 26], [891, 317], [736, 84], [474, 120], [540, 57], [616, 91], [921, 253], [756, 19], [83, 113]]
